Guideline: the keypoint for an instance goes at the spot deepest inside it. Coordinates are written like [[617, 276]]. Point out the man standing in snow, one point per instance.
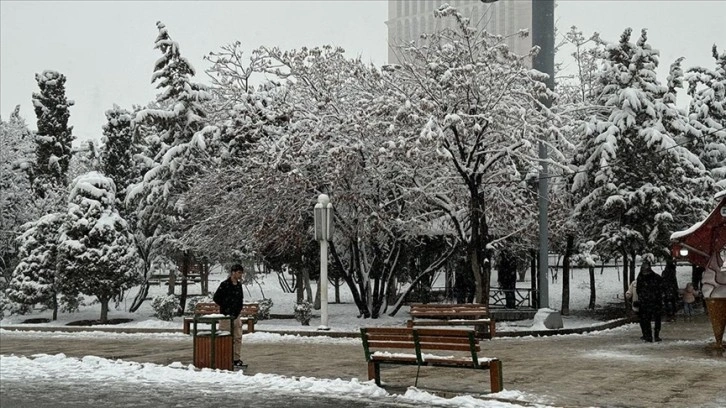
[[650, 297], [230, 298]]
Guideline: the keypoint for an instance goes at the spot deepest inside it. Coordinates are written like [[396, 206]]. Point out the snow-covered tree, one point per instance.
[[96, 252], [16, 198], [468, 122], [635, 182], [117, 151], [54, 136], [707, 87], [180, 128], [34, 280]]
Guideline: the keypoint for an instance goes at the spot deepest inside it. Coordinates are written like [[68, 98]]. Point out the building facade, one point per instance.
[[408, 19]]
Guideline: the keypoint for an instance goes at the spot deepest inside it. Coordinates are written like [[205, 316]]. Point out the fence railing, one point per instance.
[[522, 297]]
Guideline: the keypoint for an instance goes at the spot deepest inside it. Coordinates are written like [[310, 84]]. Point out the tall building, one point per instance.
[[408, 19]]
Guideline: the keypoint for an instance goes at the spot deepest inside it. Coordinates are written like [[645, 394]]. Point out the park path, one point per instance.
[[609, 368]]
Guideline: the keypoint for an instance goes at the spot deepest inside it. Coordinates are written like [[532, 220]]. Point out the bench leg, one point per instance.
[[250, 326], [492, 329], [374, 372], [495, 376], [185, 328]]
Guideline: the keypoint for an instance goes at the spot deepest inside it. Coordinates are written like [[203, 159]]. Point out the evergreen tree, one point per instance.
[[118, 149], [54, 137], [34, 280], [180, 138], [96, 251], [16, 201], [635, 180], [707, 87]]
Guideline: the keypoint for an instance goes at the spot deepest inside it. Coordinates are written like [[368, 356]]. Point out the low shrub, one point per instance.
[[165, 307]]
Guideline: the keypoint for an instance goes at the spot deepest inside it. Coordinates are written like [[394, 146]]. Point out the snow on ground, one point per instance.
[[341, 318], [90, 368]]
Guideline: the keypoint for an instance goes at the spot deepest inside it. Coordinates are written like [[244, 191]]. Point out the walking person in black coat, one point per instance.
[[650, 299], [670, 291], [230, 298]]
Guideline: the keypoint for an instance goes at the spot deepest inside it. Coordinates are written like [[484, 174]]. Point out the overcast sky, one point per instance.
[[105, 48]]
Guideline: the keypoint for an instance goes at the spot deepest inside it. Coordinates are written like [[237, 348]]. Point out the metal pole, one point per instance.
[[323, 285], [543, 35]]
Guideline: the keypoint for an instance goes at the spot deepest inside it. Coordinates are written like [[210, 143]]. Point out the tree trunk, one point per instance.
[[300, 285], [185, 266], [591, 305], [171, 282], [316, 303], [104, 309], [55, 306], [566, 275], [337, 284], [140, 296], [625, 271], [533, 273]]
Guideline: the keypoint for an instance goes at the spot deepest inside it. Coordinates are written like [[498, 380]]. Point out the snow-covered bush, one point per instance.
[[165, 307], [303, 312], [192, 302], [263, 313]]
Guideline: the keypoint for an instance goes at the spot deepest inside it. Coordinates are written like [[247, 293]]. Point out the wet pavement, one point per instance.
[[610, 368]]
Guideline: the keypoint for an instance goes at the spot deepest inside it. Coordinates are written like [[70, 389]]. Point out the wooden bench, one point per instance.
[[248, 314], [382, 346], [463, 314]]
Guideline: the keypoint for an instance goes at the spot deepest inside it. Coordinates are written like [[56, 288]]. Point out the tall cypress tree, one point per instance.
[[117, 151], [54, 136]]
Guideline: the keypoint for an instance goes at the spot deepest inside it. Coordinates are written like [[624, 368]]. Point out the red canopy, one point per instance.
[[705, 238]]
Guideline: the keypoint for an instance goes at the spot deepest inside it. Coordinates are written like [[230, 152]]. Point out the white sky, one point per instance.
[[105, 48]]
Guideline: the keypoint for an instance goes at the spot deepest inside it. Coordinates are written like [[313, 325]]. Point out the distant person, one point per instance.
[[670, 291], [689, 299], [650, 302], [230, 298], [507, 277]]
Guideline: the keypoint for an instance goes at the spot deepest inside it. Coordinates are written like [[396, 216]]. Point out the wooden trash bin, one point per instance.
[[213, 348]]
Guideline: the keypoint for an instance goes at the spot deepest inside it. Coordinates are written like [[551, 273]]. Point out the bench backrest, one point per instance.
[[419, 340], [463, 310], [248, 309], [206, 308]]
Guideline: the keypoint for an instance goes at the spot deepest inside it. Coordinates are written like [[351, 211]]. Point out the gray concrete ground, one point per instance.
[[611, 368]]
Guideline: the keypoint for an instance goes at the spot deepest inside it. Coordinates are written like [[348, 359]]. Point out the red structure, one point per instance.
[[703, 245], [704, 239]]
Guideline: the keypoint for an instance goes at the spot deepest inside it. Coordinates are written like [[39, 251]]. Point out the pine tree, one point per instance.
[[54, 137], [117, 151], [707, 87], [16, 201], [96, 251], [181, 133], [635, 181], [34, 280]]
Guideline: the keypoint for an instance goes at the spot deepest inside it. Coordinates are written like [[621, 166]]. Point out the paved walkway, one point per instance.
[[612, 368]]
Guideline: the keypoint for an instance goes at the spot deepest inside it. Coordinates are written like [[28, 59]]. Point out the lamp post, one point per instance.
[[543, 35], [323, 232]]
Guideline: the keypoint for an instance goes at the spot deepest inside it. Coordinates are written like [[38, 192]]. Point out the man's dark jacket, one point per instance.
[[650, 292], [229, 297]]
